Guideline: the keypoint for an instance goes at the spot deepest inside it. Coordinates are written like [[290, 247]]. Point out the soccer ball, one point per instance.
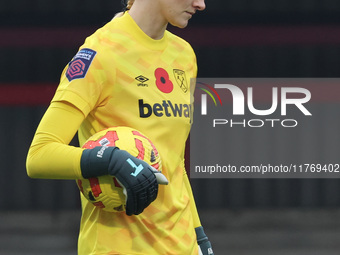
[[105, 191]]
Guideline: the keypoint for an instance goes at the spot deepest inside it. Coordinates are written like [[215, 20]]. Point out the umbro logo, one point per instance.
[[142, 79]]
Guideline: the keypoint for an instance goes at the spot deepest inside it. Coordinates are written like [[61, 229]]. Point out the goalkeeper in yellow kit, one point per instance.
[[131, 72]]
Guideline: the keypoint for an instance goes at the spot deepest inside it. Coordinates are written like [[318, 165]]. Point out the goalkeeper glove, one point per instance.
[[138, 179], [204, 244]]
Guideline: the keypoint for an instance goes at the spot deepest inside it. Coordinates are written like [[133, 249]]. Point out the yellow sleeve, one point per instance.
[[196, 219], [50, 156]]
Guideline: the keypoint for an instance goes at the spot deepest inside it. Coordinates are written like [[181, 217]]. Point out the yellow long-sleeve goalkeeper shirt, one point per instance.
[[122, 77]]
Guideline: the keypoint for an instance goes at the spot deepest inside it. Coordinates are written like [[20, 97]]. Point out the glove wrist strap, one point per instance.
[[201, 236], [95, 162]]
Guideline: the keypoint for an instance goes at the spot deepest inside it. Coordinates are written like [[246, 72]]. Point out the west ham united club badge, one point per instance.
[[181, 80]]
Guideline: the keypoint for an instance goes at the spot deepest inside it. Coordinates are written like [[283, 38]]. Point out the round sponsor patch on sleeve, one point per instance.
[[80, 64]]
